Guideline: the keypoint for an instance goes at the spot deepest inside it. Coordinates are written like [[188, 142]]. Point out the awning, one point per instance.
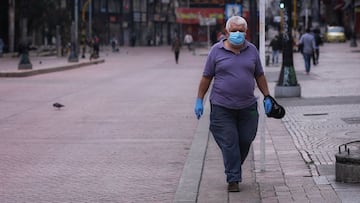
[[345, 4], [192, 15]]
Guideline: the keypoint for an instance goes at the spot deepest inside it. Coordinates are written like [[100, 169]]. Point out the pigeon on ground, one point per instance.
[[58, 105]]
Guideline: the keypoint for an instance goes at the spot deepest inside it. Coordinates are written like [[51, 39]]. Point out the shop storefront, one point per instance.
[[194, 21]]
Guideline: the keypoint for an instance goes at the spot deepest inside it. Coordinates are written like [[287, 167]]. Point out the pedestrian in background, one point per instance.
[[176, 46], [234, 65], [1, 47], [114, 44], [318, 43], [307, 42], [95, 42], [157, 39], [188, 40], [133, 39], [275, 44]]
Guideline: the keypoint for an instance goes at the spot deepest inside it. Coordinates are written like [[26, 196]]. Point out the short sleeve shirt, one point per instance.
[[308, 41], [233, 75]]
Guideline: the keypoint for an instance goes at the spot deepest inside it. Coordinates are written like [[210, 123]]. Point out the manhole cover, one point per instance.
[[351, 120]]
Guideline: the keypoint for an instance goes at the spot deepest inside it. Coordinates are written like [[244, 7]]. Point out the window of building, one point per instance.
[[143, 7], [103, 6], [113, 6], [136, 5], [126, 6]]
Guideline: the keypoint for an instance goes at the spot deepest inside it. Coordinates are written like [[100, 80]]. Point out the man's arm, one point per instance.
[[203, 86], [262, 84]]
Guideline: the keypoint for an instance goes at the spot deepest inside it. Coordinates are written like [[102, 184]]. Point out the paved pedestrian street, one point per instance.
[[128, 133], [319, 130], [327, 115]]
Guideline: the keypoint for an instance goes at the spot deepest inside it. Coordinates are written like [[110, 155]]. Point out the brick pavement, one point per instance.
[[123, 135]]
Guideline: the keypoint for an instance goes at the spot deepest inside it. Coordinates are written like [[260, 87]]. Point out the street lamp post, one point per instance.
[[73, 57], [11, 25], [353, 37], [24, 62], [287, 85]]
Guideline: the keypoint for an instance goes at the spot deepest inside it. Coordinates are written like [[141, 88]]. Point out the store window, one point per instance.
[[126, 6], [103, 6], [143, 7], [136, 5], [113, 6]]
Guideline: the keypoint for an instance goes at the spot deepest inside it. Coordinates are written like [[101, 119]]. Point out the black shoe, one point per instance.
[[233, 187]]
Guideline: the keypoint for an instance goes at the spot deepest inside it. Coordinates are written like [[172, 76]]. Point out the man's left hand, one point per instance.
[[267, 104]]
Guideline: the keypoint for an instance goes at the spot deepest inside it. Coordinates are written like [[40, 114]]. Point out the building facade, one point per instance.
[[149, 22]]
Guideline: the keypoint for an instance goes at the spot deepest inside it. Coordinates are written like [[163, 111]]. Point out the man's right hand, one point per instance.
[[199, 108]]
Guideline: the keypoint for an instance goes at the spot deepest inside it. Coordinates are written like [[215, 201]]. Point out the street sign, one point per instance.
[[207, 21]]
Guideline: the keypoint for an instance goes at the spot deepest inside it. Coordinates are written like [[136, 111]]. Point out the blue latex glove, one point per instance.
[[199, 108], [267, 104]]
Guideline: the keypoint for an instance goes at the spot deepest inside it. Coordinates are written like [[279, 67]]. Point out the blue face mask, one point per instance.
[[236, 38]]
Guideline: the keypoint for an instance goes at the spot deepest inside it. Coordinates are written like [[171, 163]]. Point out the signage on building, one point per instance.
[[192, 15], [218, 2], [232, 10]]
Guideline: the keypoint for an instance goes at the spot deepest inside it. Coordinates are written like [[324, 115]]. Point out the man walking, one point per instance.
[[307, 41], [318, 43], [176, 46], [234, 65], [275, 44]]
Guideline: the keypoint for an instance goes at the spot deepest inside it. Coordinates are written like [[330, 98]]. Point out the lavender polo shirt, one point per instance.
[[233, 74]]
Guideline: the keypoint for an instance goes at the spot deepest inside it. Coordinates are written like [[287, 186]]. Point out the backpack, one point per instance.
[[318, 40]]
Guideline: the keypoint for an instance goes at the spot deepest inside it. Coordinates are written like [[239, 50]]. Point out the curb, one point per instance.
[[189, 184], [26, 73]]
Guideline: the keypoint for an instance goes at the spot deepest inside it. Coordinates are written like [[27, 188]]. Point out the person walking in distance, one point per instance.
[[188, 40], [233, 64], [95, 42], [318, 43], [1, 47], [307, 41], [275, 44], [176, 45]]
